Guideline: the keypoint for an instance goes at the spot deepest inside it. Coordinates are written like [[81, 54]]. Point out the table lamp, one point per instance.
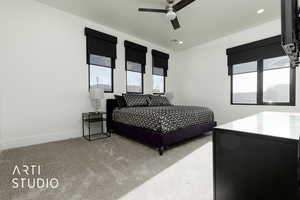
[[96, 96]]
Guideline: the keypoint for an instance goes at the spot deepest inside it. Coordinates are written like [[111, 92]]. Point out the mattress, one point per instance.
[[164, 118]]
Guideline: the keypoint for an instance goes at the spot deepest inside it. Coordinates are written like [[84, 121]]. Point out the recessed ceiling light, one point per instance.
[[175, 41], [260, 11]]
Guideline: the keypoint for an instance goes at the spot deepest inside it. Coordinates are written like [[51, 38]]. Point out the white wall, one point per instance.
[[203, 75], [0, 115], [1, 98], [44, 72]]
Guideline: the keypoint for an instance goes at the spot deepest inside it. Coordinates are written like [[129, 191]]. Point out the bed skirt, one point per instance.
[[161, 140]]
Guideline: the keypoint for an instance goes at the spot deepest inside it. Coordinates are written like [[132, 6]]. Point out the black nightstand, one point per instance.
[[91, 119]]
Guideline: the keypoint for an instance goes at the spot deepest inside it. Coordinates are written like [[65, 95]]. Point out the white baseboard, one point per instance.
[[38, 139]]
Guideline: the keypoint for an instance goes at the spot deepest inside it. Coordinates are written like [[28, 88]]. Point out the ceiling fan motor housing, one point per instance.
[[171, 15]]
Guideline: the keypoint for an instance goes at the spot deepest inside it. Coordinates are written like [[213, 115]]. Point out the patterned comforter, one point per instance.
[[164, 118]]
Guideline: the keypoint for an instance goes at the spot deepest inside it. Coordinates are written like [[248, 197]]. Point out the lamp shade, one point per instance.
[[96, 96], [97, 93]]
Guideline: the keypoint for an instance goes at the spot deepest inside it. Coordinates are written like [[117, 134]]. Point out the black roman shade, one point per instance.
[[160, 63], [98, 45], [263, 49], [135, 53]]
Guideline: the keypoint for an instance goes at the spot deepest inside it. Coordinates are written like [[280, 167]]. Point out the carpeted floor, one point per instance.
[[110, 169]]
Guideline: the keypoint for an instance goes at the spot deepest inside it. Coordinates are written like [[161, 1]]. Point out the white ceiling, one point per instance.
[[201, 21]]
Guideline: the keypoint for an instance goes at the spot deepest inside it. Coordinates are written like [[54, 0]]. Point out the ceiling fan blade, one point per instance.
[[175, 23], [181, 4], [153, 10]]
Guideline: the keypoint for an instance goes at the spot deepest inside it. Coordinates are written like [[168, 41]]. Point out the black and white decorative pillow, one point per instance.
[[135, 100], [164, 101], [158, 101]]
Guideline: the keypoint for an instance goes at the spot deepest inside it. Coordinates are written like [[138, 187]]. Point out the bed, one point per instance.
[[159, 126]]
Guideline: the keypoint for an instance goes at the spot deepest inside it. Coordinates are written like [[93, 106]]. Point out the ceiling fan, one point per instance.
[[170, 10]]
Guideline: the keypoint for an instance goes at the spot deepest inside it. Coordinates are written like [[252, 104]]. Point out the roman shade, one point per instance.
[[100, 47], [277, 63], [244, 68], [160, 63], [134, 67], [135, 56], [255, 51]]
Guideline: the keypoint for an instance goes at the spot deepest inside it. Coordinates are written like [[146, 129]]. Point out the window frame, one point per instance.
[[260, 102], [159, 93], [112, 76], [127, 92]]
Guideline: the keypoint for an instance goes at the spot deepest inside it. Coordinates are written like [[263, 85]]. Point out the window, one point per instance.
[[101, 74], [159, 71], [101, 55], [158, 80], [261, 74], [276, 80], [135, 59], [158, 84], [244, 83], [266, 82], [134, 78]]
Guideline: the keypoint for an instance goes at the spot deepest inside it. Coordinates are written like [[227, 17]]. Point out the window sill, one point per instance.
[[134, 92], [264, 104], [109, 92]]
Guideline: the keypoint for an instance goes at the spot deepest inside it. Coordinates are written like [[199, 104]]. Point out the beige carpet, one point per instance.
[[111, 169]]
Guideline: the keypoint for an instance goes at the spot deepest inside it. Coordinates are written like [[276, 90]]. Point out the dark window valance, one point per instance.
[[100, 44], [263, 49], [160, 63], [135, 53]]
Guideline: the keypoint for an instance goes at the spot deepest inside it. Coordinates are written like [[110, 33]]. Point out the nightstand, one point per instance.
[[94, 120]]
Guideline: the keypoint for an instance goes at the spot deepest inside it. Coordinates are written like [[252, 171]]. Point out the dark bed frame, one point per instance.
[[150, 137]]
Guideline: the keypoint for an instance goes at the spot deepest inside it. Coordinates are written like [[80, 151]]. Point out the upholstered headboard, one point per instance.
[[111, 104]]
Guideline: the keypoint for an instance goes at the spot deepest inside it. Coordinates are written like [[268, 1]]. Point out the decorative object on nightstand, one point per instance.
[[96, 96], [92, 120]]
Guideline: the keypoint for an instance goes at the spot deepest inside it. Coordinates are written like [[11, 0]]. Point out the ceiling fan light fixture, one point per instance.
[[171, 15], [260, 11]]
